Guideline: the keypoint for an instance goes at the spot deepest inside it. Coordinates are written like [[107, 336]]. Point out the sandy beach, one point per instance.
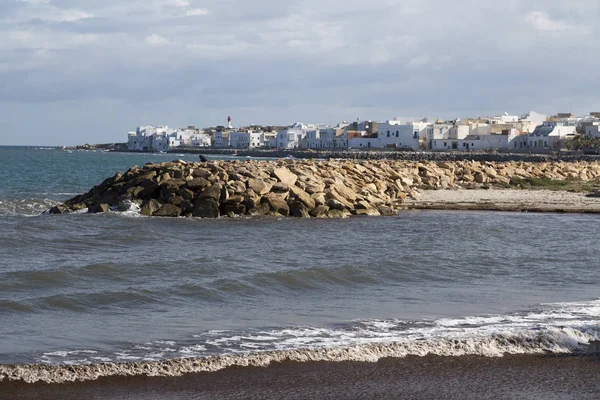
[[506, 200], [432, 377]]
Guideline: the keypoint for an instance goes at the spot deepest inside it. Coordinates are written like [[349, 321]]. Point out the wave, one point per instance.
[[553, 329], [551, 340], [27, 207]]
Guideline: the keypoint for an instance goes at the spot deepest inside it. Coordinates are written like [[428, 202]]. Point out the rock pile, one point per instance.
[[301, 188]]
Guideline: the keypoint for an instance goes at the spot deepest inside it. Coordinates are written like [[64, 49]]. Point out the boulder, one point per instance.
[[276, 203], [319, 212], [258, 186], [303, 197], [150, 207], [213, 192], [100, 208], [168, 210], [285, 175], [299, 209], [206, 207], [58, 209], [236, 209], [197, 184], [260, 209]]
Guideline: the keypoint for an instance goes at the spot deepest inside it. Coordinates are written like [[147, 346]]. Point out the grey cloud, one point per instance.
[[272, 61]]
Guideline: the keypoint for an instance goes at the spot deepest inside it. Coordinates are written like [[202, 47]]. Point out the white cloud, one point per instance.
[[375, 55], [541, 21], [156, 40], [197, 11]]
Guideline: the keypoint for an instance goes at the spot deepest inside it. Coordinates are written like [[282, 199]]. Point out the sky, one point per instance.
[[89, 71]]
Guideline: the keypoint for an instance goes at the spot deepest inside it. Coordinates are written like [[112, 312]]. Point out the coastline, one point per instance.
[[413, 377], [514, 200]]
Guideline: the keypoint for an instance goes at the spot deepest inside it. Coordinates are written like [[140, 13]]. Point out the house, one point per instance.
[[288, 139], [221, 138], [550, 135]]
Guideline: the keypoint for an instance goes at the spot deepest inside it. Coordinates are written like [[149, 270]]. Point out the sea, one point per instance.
[[121, 289]]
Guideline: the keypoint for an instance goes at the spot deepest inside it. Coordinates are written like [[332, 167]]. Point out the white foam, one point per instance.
[[554, 328]]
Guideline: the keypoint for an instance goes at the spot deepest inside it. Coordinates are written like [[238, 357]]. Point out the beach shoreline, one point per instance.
[[549, 201], [413, 377]]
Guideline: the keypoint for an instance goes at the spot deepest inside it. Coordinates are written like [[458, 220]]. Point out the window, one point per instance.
[[388, 133], [444, 144], [397, 133]]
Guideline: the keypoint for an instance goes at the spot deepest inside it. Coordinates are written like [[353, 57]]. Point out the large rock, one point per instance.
[[303, 197], [100, 208], [197, 184], [150, 207], [276, 203], [206, 207], [258, 186], [213, 192], [58, 209], [299, 209], [168, 210], [285, 175]]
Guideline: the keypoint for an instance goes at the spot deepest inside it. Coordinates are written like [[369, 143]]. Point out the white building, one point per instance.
[[550, 134], [288, 139], [506, 140], [592, 129], [400, 134], [162, 138], [221, 139]]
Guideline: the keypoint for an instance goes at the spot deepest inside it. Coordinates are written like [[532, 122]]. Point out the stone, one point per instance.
[[197, 184], [58, 209], [258, 186], [150, 207], [260, 209], [369, 212], [303, 197], [236, 209], [276, 204], [235, 199], [168, 210], [299, 209], [206, 207], [336, 214], [319, 212], [280, 187], [78, 206], [201, 173], [387, 211], [285, 175], [100, 208], [213, 192]]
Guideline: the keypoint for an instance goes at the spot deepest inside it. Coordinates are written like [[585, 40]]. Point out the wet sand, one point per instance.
[[432, 377], [506, 200]]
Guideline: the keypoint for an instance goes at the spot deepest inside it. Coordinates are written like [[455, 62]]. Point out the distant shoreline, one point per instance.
[[360, 154]]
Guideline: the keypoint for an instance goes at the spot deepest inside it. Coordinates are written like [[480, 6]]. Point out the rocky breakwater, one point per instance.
[[277, 188], [303, 188]]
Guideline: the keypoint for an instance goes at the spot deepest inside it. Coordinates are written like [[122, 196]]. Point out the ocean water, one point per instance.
[[193, 294]]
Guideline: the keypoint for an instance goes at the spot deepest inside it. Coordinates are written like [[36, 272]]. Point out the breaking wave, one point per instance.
[[553, 329], [27, 207]]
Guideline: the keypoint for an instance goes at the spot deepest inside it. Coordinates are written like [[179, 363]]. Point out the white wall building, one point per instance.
[[549, 135], [288, 139], [592, 130]]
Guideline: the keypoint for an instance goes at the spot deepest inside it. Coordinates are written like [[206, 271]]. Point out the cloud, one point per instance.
[[156, 40], [269, 61], [197, 11], [542, 22]]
